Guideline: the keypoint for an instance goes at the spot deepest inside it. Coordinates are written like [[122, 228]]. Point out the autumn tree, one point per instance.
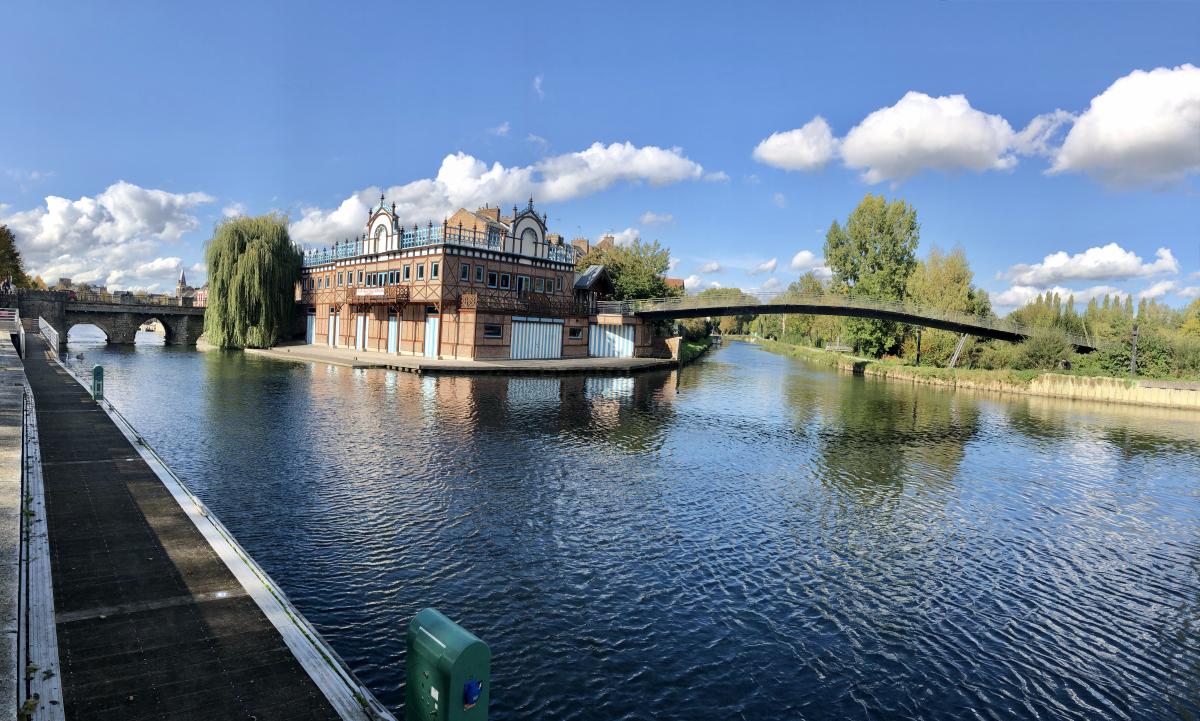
[[943, 281]]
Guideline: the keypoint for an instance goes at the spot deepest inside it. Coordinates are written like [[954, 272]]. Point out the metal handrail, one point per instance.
[[420, 236], [830, 300], [126, 299]]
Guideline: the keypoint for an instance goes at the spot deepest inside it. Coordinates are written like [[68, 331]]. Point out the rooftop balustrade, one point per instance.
[[426, 236]]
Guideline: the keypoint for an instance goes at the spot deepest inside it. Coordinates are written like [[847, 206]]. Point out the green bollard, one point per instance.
[[98, 382], [448, 671]]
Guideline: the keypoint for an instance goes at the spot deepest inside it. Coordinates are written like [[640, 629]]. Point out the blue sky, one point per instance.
[[131, 128]]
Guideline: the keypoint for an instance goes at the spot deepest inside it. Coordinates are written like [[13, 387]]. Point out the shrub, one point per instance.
[[1046, 349]]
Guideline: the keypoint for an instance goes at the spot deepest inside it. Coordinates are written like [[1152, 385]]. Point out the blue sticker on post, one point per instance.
[[472, 690]]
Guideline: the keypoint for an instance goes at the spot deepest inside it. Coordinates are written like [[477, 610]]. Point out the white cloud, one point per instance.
[[1019, 295], [806, 148], [198, 268], [765, 267], [711, 267], [652, 218], [1143, 129], [714, 284], [500, 130], [779, 200], [538, 140], [627, 236], [1109, 262], [233, 210], [672, 264], [465, 181], [1157, 290], [1038, 138], [537, 86], [806, 260], [1192, 291], [770, 283], [823, 272], [106, 238], [921, 132], [717, 176], [692, 281]]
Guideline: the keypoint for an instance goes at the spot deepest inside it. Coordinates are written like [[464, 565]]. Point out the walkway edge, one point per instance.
[[348, 696], [39, 689]]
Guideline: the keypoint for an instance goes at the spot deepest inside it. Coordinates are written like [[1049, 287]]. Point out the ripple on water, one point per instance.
[[748, 538]]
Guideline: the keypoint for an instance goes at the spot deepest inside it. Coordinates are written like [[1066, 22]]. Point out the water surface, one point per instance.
[[750, 538]]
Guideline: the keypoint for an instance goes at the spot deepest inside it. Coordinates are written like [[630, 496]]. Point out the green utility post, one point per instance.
[[448, 671], [98, 382]]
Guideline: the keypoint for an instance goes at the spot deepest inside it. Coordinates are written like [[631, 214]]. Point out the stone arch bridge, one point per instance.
[[118, 316]]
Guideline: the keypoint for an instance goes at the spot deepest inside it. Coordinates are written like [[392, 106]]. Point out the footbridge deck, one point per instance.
[[699, 306]]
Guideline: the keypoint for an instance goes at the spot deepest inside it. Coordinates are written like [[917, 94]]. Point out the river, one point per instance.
[[749, 538]]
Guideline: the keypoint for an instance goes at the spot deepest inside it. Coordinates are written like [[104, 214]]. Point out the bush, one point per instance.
[[1046, 349], [997, 355], [694, 328]]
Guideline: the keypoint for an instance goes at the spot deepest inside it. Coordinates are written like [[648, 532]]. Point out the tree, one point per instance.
[[11, 265], [734, 324], [943, 281], [253, 267], [872, 257], [638, 270], [37, 283]]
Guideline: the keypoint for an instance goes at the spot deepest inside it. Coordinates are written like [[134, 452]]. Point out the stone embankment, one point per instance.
[[1161, 394]]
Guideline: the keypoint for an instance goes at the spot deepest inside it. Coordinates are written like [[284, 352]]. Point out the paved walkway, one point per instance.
[[417, 364], [151, 622]]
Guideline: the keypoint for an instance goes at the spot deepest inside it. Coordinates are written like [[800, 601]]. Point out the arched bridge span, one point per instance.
[[699, 306], [118, 316]]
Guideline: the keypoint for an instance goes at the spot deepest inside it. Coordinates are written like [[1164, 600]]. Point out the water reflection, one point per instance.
[[747, 538]]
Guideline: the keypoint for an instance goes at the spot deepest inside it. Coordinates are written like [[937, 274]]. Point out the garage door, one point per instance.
[[534, 338], [610, 341]]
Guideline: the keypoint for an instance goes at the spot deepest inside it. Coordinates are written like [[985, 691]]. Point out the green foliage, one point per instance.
[[733, 324], [873, 256], [638, 270], [11, 265], [694, 328], [253, 267], [1045, 350], [943, 281]]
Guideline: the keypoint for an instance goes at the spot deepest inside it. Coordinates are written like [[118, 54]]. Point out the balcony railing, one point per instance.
[[529, 303], [425, 236]]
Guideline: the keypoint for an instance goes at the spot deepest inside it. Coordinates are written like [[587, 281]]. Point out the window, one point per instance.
[[434, 266], [539, 285], [479, 274], [492, 279], [420, 271], [558, 284], [522, 284], [466, 272], [309, 284], [360, 277], [328, 283], [575, 333], [407, 272], [504, 280], [339, 279], [491, 330]]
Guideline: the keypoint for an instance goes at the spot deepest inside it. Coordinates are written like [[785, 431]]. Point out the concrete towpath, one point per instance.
[[152, 620]]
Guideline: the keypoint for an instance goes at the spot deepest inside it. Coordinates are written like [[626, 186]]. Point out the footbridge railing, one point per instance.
[[48, 333], [694, 306]]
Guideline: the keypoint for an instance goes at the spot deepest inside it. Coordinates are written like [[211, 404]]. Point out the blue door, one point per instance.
[[310, 330], [431, 336]]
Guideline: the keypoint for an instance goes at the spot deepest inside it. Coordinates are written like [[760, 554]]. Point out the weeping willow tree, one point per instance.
[[253, 267]]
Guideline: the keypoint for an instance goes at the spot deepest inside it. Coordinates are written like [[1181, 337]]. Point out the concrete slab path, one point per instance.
[[152, 624]]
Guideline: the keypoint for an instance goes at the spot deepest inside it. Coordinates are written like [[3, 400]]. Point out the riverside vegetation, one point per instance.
[[874, 255]]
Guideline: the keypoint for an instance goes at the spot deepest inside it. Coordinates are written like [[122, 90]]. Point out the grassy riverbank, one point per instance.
[[1026, 382], [690, 350]]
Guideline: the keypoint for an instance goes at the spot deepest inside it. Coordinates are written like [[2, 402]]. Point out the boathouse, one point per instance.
[[478, 285]]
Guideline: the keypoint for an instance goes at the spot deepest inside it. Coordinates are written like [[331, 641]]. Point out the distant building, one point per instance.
[[675, 283], [201, 296], [183, 291], [64, 284], [582, 246]]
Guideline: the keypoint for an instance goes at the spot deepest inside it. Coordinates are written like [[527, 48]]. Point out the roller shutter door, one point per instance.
[[610, 341], [536, 339]]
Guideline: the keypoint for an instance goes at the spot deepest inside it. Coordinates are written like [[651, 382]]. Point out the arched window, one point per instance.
[[379, 238], [529, 240]]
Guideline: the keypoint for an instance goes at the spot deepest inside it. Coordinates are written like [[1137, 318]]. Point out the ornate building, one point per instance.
[[478, 285]]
